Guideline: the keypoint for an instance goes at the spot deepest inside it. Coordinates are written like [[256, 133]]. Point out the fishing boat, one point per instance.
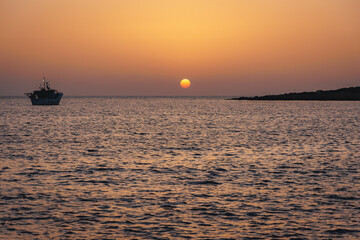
[[45, 96]]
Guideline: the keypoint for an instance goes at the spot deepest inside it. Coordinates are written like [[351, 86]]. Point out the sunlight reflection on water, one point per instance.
[[164, 168]]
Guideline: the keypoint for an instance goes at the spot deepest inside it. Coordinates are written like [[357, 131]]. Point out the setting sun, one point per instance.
[[185, 83]]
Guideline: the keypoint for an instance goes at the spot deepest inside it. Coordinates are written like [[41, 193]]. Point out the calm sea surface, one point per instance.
[[179, 168]]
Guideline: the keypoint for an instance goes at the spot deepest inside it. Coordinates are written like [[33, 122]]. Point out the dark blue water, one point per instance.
[[179, 168]]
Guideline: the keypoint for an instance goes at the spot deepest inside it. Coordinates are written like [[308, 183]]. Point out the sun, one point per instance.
[[185, 83]]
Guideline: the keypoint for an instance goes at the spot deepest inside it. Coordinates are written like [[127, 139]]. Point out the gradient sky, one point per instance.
[[145, 47]]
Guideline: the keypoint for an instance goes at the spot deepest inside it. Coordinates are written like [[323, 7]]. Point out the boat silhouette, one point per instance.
[[45, 96]]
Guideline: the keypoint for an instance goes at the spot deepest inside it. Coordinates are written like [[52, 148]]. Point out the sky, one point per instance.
[[145, 47]]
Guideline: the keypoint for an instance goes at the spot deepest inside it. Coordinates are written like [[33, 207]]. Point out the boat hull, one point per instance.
[[46, 101]]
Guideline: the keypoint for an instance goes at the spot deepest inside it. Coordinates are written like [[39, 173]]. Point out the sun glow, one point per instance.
[[231, 47], [185, 83]]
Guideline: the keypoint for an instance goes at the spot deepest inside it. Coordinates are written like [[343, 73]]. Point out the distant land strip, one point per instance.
[[342, 94]]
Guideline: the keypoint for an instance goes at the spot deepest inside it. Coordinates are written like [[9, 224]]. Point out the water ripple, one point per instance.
[[179, 168]]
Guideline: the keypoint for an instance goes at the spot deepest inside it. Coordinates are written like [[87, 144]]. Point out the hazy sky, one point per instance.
[[145, 47]]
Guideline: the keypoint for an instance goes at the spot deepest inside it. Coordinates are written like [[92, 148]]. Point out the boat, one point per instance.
[[45, 96]]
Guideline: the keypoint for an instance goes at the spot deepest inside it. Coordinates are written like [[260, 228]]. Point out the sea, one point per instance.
[[179, 168]]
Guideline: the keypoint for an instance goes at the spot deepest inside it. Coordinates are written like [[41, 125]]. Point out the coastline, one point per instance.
[[342, 94]]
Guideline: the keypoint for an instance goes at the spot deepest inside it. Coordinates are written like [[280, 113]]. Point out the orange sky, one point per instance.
[[145, 47]]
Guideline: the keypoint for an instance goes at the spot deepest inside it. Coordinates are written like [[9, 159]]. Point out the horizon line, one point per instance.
[[164, 96]]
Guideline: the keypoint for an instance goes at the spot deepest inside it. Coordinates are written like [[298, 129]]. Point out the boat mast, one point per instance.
[[45, 84]]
